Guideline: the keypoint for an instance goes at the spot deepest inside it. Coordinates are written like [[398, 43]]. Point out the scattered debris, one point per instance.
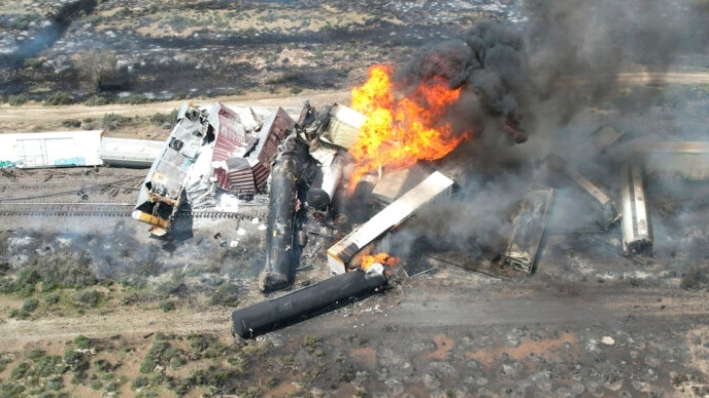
[[435, 187], [637, 232], [529, 223]]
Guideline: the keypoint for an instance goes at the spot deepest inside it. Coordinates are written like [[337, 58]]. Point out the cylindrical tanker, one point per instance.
[[323, 188], [280, 244], [290, 308]]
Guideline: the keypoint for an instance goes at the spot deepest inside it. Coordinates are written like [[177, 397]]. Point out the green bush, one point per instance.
[[163, 118], [5, 359], [18, 100], [226, 295], [58, 98], [96, 100], [20, 371], [167, 306], [27, 308], [87, 298], [140, 382], [296, 90], [82, 342], [155, 356], [137, 99], [96, 384], [52, 298], [62, 270], [74, 123], [111, 121]]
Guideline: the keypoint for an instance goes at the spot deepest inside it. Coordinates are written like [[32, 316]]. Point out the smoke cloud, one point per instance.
[[546, 78]]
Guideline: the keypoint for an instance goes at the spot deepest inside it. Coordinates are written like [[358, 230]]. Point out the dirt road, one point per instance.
[[40, 113], [419, 308]]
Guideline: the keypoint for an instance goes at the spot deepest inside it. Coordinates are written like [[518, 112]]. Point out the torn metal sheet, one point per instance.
[[162, 192], [434, 187], [344, 125], [274, 130], [230, 134], [600, 198], [394, 184], [292, 307], [529, 224], [605, 136], [637, 231]]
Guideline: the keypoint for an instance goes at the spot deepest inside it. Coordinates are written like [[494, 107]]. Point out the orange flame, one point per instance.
[[381, 258], [411, 124]]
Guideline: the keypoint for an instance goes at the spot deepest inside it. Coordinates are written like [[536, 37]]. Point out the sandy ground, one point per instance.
[[420, 306], [40, 113]]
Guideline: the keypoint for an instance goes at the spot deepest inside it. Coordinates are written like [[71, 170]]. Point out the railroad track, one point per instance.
[[116, 210]]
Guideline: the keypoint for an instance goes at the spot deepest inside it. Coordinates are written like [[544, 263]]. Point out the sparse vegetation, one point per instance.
[[96, 100], [696, 278], [111, 121], [18, 100], [226, 295], [58, 98], [74, 123], [87, 298], [98, 68]]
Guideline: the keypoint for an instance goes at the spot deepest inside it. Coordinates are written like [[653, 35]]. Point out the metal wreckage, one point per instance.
[[300, 163]]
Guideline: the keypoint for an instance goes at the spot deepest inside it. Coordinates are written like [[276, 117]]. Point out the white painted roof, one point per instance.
[[52, 149]]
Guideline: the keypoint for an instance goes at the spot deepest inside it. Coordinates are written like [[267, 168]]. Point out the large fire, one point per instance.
[[401, 130]]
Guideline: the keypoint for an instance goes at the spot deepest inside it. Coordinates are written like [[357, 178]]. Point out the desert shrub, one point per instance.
[[18, 100], [78, 363], [27, 308], [140, 382], [96, 384], [82, 342], [24, 283], [49, 365], [226, 295], [30, 305], [58, 98], [155, 356], [167, 306], [20, 371], [103, 365], [163, 118], [696, 279], [135, 99], [52, 298], [96, 100], [19, 21], [87, 298], [62, 270], [71, 123], [5, 359], [111, 121], [310, 343], [296, 90], [178, 23]]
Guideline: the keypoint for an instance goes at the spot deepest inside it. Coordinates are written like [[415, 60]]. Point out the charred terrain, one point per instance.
[[555, 104]]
